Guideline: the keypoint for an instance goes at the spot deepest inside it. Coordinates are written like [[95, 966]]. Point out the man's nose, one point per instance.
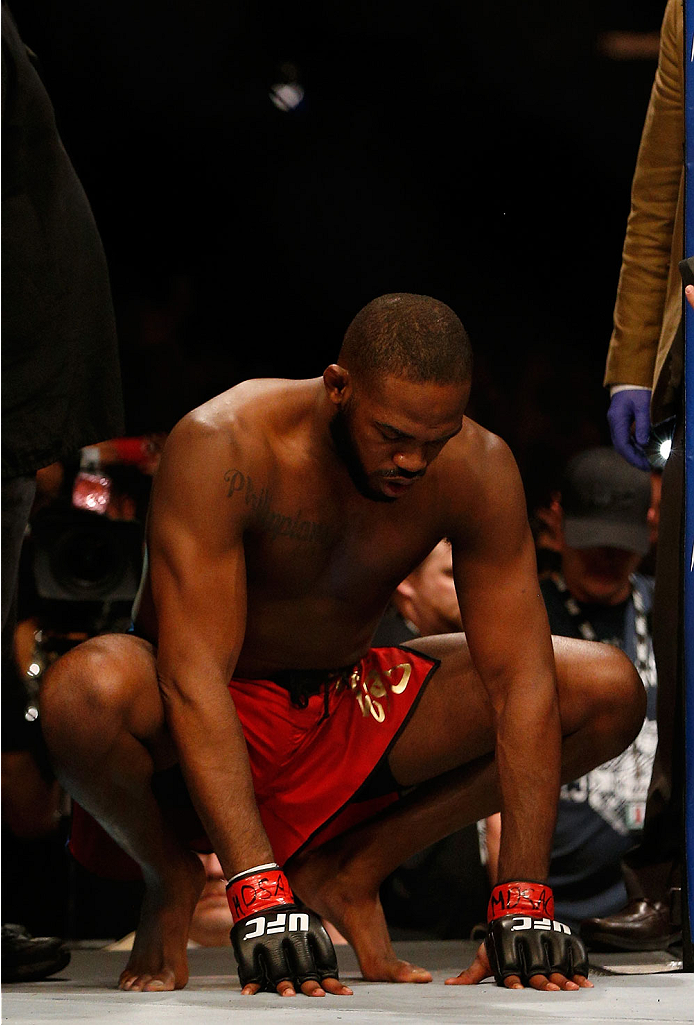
[[411, 460]]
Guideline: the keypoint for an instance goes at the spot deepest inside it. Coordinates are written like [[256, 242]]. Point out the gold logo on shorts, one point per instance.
[[377, 685]]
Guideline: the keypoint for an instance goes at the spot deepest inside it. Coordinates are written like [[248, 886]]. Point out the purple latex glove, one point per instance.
[[633, 405]]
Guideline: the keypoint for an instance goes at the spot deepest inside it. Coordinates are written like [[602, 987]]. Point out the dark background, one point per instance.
[[478, 152]]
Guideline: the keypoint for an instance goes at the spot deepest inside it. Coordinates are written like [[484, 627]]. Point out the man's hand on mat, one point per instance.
[[279, 946], [481, 969]]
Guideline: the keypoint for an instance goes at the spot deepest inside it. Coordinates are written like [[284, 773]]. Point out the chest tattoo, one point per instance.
[[277, 524]]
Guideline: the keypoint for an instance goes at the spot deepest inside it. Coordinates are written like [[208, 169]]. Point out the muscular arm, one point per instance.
[[199, 592], [510, 644]]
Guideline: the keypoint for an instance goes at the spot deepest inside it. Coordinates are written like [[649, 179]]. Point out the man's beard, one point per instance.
[[346, 450]]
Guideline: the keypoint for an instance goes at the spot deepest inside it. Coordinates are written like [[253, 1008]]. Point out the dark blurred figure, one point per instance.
[[79, 572], [61, 376], [644, 372]]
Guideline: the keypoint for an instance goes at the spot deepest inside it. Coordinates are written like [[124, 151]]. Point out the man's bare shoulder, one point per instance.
[[480, 453], [482, 478], [245, 414]]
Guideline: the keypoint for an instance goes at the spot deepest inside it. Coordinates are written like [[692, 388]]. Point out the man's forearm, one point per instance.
[[214, 761], [529, 766]]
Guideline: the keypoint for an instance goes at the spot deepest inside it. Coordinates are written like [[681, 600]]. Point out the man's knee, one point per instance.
[[88, 688], [619, 697]]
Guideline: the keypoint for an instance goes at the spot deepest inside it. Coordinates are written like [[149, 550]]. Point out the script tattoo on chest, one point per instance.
[[241, 486]]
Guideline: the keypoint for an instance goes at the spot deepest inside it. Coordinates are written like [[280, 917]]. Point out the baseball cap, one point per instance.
[[605, 502]]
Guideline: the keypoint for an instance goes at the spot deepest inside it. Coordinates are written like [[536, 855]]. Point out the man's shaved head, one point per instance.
[[410, 336]]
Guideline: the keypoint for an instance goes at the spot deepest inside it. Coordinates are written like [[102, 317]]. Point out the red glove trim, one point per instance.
[[533, 899], [257, 891]]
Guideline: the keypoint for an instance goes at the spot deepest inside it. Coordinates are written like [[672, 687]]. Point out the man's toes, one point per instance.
[[402, 971], [146, 982], [136, 983], [157, 984], [395, 971]]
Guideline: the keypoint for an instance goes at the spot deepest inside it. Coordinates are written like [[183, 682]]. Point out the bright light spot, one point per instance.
[[287, 96], [34, 669], [665, 448], [31, 714]]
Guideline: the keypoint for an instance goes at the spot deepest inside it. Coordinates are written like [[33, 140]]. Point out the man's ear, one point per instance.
[[338, 383]]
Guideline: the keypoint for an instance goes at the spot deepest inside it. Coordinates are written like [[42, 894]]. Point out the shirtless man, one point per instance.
[[283, 515]]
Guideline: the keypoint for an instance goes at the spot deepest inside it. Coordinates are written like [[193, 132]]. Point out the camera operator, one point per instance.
[[79, 572]]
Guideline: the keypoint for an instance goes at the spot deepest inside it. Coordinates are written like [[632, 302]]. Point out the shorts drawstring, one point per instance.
[[326, 702], [302, 684]]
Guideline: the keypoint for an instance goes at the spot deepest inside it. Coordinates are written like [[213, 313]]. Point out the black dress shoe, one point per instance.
[[641, 925], [27, 958]]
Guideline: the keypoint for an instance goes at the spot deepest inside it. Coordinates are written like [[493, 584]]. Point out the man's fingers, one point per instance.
[[335, 987], [562, 981], [543, 983], [311, 988], [583, 982], [513, 982]]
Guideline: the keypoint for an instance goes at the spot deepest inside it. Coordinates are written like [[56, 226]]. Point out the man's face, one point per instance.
[[599, 576], [212, 918], [389, 433]]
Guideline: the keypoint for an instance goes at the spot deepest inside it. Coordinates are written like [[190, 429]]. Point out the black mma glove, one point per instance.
[[273, 939], [524, 939]]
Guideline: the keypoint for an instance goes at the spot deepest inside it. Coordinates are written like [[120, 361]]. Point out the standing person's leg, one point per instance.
[[654, 866], [446, 753]]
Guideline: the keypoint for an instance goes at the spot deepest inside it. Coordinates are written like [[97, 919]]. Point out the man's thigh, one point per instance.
[[454, 721]]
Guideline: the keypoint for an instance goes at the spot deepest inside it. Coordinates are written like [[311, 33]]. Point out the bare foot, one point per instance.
[[158, 961], [338, 893]]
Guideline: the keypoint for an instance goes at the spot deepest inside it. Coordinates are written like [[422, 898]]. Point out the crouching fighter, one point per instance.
[[249, 711]]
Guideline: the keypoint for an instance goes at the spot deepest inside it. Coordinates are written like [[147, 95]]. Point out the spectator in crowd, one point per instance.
[[61, 375], [644, 373], [598, 594], [424, 603], [211, 922]]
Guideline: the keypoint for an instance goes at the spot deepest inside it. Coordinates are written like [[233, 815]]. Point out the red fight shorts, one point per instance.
[[317, 771]]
